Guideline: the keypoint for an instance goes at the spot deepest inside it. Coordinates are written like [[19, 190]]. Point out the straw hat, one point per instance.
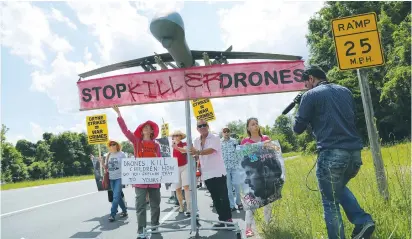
[[178, 132], [114, 141]]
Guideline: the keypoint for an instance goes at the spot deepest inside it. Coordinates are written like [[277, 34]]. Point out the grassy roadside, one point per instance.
[[44, 182], [299, 214]]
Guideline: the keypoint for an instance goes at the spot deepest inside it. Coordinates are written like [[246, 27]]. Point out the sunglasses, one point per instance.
[[226, 131], [112, 144], [202, 126], [177, 135]]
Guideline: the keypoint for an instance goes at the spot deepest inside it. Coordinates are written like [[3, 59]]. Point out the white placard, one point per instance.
[[149, 170]]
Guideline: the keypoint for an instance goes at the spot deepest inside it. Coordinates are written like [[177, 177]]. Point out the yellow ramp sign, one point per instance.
[[203, 109], [357, 42], [97, 131]]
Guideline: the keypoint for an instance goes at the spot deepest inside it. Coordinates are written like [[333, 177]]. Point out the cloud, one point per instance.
[[26, 31], [58, 16], [122, 33], [274, 26]]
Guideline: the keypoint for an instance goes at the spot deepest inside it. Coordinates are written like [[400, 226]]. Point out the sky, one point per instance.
[[45, 45]]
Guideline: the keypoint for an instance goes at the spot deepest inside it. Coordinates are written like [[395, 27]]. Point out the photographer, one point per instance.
[[330, 110]]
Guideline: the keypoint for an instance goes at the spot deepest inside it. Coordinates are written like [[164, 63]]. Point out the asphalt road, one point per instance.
[[78, 210]]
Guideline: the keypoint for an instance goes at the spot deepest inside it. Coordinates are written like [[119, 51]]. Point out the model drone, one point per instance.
[[170, 32]]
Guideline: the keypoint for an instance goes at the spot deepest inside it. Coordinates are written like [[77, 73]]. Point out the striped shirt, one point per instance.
[[330, 110]]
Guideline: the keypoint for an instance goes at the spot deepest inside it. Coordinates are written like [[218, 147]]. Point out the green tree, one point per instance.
[[127, 147], [389, 84], [238, 128], [283, 126]]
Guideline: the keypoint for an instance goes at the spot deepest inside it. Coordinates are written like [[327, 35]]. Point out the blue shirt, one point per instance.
[[330, 110]]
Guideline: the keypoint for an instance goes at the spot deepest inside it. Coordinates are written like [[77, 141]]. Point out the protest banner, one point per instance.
[[149, 170], [261, 167], [164, 146], [203, 109], [97, 131], [191, 83]]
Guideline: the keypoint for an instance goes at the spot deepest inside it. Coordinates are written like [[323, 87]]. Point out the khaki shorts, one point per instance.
[[183, 177]]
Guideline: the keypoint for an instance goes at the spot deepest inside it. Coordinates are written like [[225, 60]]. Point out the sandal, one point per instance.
[[249, 232]]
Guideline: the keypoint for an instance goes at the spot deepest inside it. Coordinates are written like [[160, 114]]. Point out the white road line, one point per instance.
[[167, 215], [42, 205]]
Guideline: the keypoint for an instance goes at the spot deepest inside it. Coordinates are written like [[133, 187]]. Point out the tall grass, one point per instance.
[[299, 214]]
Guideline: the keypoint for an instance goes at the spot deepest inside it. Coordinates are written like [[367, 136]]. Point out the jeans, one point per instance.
[[335, 167], [116, 186], [218, 191], [232, 179]]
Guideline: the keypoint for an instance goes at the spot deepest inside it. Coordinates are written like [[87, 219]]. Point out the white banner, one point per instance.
[[149, 170]]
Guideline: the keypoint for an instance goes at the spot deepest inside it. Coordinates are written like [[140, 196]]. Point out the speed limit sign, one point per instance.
[[357, 42]]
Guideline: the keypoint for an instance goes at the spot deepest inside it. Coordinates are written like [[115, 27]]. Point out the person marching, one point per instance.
[[232, 165], [113, 164], [179, 152], [208, 148], [144, 147], [255, 136]]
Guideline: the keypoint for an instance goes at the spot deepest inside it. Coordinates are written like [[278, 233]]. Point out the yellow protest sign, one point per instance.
[[203, 109], [97, 131], [357, 41], [165, 130]]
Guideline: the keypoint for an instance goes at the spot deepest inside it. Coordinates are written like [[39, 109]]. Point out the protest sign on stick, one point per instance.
[[261, 168], [149, 170]]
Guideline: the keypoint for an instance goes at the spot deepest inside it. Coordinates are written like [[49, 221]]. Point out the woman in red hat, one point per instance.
[[144, 147]]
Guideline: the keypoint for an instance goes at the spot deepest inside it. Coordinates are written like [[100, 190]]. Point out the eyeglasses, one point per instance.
[[202, 126], [112, 144], [226, 131]]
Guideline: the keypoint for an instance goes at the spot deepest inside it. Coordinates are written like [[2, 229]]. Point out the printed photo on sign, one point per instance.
[[164, 146], [149, 170], [260, 173]]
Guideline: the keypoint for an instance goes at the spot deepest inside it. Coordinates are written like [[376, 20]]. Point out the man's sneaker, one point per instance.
[[111, 219], [363, 231], [218, 225], [123, 214]]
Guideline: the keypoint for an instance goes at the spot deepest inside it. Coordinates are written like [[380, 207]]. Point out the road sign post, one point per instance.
[[358, 46]]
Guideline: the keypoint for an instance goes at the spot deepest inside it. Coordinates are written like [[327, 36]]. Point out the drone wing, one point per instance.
[[220, 56]]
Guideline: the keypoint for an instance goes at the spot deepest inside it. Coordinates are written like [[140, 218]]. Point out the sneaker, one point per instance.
[[249, 232], [218, 225], [111, 219], [187, 214], [123, 214], [363, 231], [233, 209], [240, 207]]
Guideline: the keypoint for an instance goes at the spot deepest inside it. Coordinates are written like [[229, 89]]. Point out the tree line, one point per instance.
[[68, 153], [65, 154]]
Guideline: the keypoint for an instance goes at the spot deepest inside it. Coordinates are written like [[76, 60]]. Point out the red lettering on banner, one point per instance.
[[133, 92], [213, 76], [173, 88], [192, 76], [150, 91], [160, 91]]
